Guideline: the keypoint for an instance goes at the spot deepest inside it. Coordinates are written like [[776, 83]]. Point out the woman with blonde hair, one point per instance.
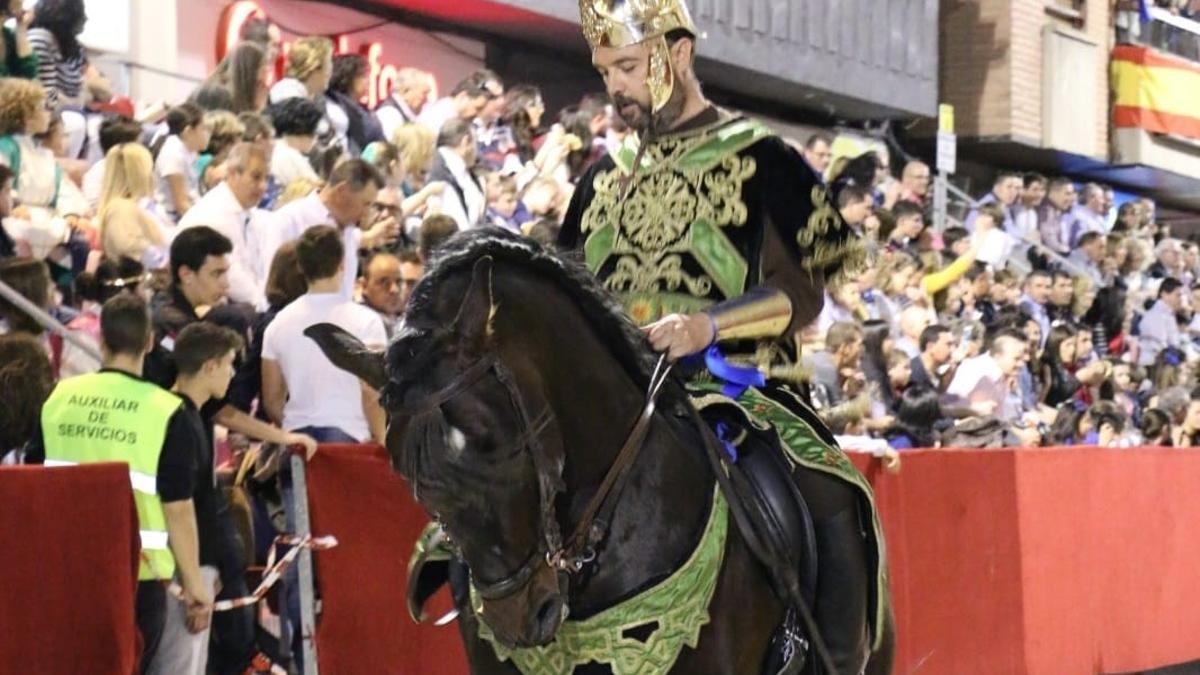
[[309, 68], [129, 223], [416, 144]]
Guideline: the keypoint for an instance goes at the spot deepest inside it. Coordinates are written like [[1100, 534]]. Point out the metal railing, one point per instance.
[[1166, 32], [46, 321], [962, 200]]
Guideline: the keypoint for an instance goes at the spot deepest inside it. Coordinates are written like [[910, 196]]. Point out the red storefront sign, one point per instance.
[[382, 75]]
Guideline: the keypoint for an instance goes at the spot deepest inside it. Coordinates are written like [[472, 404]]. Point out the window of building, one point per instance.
[[1071, 11]]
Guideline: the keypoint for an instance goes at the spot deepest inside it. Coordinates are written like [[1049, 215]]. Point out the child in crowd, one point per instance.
[[543, 198], [502, 201], [178, 185]]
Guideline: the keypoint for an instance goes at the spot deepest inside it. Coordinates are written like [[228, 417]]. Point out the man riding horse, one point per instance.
[[713, 231], [598, 524]]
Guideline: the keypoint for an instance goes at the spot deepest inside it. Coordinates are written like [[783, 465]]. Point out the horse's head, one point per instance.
[[472, 431]]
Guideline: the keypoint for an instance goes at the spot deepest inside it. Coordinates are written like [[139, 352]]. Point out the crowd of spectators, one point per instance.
[[1050, 316], [264, 205]]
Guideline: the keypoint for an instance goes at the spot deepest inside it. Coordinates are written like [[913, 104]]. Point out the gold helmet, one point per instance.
[[620, 23]]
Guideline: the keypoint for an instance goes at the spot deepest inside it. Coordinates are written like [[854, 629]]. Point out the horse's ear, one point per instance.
[[474, 322], [349, 354]]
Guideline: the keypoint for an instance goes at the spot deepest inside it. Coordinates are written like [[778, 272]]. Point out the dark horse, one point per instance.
[[511, 386]]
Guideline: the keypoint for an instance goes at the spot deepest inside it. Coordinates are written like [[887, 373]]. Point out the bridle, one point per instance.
[[568, 556]]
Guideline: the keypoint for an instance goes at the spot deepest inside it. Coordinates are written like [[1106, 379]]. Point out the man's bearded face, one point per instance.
[[625, 71]]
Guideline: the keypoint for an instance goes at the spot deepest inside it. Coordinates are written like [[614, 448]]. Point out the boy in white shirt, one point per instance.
[[302, 389]]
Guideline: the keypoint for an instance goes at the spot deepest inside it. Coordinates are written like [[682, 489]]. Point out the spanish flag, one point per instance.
[[1155, 91]]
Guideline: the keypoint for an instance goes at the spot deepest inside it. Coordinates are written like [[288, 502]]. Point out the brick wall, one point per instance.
[[1028, 20], [991, 66], [974, 68], [1099, 28]]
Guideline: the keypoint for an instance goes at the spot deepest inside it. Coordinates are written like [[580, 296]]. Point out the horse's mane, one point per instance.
[[602, 310]]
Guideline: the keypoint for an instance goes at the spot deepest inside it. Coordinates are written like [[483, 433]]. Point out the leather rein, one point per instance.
[[571, 555]]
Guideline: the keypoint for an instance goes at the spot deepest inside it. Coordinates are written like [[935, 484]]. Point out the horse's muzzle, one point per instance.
[[531, 616]]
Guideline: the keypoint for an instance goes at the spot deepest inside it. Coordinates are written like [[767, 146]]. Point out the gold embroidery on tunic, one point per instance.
[[656, 273], [822, 220], [654, 221]]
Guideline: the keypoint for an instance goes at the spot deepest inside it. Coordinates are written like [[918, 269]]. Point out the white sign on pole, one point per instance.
[[947, 152]]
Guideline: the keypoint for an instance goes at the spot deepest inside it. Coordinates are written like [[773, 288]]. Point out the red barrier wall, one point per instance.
[[365, 628], [1009, 562], [68, 570], [1054, 561]]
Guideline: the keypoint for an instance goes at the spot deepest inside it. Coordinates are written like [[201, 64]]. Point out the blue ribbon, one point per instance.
[[737, 379], [723, 436]]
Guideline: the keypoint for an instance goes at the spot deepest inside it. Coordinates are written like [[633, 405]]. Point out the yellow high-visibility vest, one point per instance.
[[115, 417]]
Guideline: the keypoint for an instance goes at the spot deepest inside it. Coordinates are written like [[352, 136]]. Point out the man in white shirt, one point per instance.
[[984, 383], [1159, 328], [464, 102], [457, 151], [407, 100], [343, 202], [229, 209], [302, 389], [1025, 214]]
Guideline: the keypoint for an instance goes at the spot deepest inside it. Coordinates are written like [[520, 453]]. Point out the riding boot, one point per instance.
[[843, 587]]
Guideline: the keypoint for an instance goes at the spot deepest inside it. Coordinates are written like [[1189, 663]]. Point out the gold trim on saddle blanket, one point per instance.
[[678, 605]]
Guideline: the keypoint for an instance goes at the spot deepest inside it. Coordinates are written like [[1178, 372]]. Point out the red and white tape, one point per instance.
[[275, 569]]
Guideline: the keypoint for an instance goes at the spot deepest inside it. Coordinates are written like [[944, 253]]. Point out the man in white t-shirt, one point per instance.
[[229, 209], [344, 202], [302, 389], [985, 383]]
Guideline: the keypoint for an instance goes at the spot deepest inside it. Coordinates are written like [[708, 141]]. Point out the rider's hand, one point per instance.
[[681, 335]]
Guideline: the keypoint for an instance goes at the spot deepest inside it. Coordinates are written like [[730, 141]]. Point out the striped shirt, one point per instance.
[[62, 78]]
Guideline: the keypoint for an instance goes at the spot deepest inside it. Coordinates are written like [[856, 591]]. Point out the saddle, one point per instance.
[[772, 516]]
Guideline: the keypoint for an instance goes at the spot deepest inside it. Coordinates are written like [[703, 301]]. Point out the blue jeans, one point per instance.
[[327, 434]]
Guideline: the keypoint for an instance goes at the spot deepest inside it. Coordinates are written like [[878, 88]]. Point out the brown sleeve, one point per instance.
[[806, 289]]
